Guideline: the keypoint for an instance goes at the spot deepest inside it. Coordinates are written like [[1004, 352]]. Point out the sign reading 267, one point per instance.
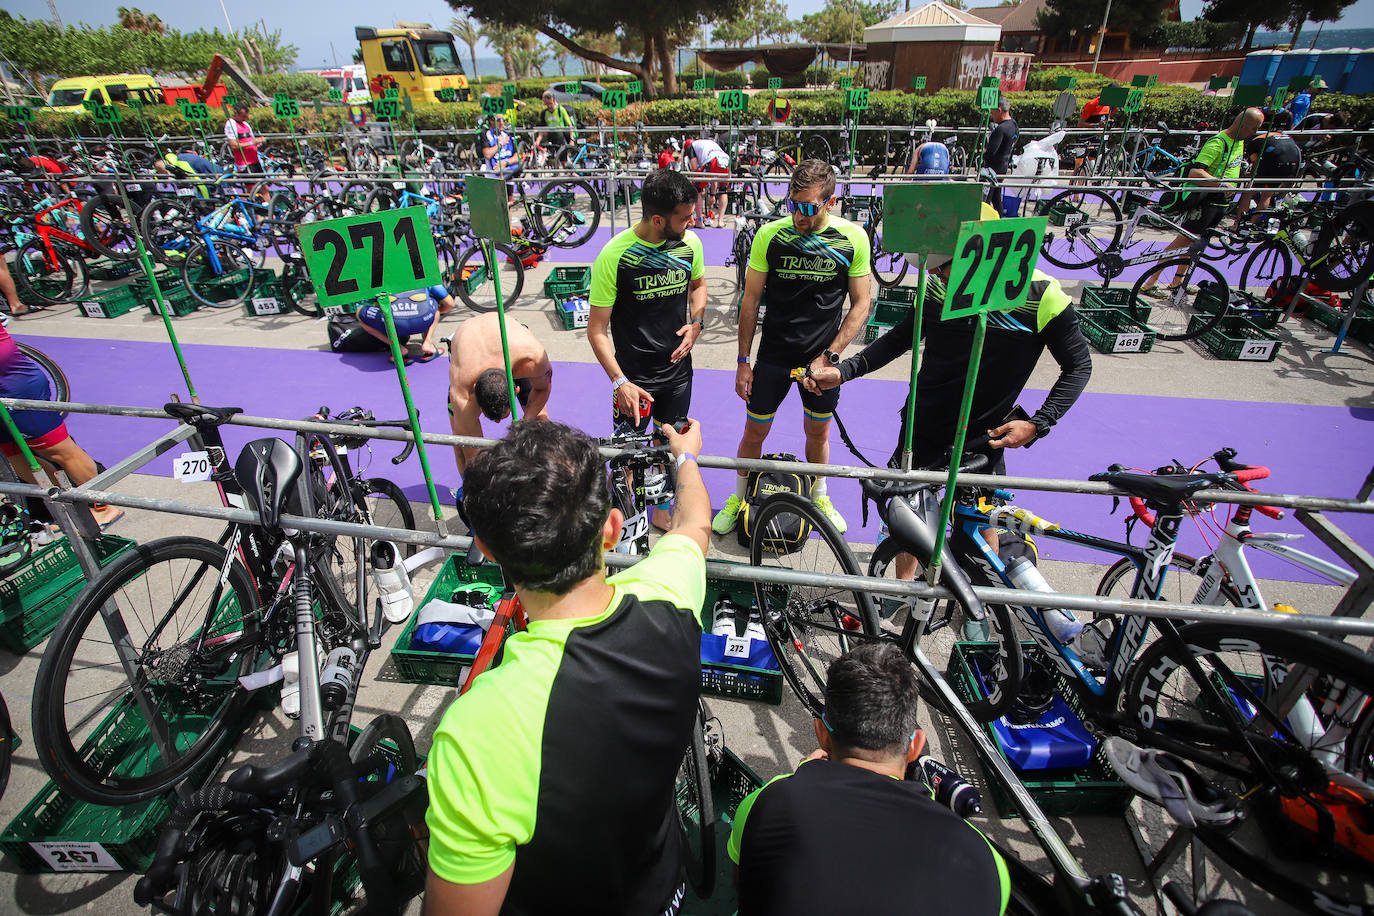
[[993, 265]]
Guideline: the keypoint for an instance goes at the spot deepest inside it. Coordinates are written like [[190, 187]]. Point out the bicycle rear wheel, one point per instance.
[[696, 811], [1083, 225], [1269, 265], [808, 626], [951, 622], [889, 267], [168, 226], [776, 182], [1174, 315], [57, 379], [188, 639], [109, 228], [219, 281], [1343, 256], [478, 276], [566, 213], [50, 279]]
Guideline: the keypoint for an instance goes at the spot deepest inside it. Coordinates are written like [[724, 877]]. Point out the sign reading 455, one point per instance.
[[993, 265], [360, 257]]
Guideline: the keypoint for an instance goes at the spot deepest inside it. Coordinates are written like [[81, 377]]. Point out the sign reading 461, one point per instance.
[[993, 264], [360, 257]]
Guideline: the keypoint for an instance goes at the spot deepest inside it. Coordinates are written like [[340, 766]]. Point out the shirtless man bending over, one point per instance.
[[477, 377]]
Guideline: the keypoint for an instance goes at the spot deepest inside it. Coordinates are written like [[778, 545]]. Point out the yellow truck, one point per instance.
[[418, 61]]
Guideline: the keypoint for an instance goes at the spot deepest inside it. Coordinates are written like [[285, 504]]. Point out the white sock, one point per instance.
[[739, 486], [818, 488]]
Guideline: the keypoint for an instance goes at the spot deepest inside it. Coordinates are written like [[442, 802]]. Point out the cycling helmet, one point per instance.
[[932, 159], [1037, 691], [674, 144]]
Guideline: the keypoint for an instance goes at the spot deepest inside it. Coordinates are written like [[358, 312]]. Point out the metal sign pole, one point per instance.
[[384, 303]]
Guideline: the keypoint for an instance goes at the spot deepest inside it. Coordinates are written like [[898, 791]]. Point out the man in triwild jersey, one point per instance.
[[477, 377], [551, 781], [648, 302], [804, 266], [414, 313]]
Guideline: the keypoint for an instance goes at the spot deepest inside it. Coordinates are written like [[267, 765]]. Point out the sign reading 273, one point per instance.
[[994, 261], [360, 257]]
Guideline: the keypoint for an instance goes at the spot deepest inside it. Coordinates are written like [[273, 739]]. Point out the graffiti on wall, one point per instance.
[[876, 74], [973, 66], [1012, 69]]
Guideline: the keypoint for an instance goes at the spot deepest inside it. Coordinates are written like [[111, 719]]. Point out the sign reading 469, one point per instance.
[[993, 264], [360, 257]]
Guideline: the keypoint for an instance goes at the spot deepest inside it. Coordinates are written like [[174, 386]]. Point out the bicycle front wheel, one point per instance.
[[1083, 225], [478, 276], [186, 639], [1269, 265], [999, 667], [109, 228], [777, 181], [1343, 256], [218, 274], [51, 278], [566, 213], [808, 626], [57, 379], [1165, 297], [889, 267]]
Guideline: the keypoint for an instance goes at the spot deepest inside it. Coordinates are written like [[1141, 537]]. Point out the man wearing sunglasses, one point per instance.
[[805, 266]]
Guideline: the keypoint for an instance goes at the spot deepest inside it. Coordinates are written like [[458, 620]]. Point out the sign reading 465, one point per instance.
[[993, 265]]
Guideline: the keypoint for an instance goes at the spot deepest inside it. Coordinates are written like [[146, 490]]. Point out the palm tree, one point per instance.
[[504, 40], [467, 32]]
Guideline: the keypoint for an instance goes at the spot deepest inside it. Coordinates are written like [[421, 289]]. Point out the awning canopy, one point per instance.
[[780, 60]]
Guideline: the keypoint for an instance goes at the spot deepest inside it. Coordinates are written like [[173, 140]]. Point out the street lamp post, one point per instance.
[[1102, 35]]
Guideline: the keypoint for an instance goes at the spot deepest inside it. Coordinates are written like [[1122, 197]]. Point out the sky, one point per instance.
[[300, 23]]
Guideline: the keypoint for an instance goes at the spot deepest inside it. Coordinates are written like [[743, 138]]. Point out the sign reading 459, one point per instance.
[[360, 257], [994, 261]]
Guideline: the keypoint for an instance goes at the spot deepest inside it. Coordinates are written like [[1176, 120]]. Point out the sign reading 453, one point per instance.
[[360, 257], [994, 261]]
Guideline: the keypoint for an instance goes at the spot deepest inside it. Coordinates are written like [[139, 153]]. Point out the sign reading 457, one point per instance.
[[994, 261], [360, 257]]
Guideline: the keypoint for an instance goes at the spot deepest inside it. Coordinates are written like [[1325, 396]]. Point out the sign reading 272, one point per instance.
[[994, 261], [361, 257]]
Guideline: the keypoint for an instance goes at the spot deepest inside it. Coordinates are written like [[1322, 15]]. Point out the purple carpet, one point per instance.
[[1322, 451]]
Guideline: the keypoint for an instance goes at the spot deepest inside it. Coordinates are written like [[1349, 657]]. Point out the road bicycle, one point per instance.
[[1333, 247], [1086, 229], [218, 270], [140, 686], [50, 263], [889, 267], [1219, 695]]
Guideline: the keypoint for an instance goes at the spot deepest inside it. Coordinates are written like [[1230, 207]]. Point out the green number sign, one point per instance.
[[319, 107], [1280, 96], [988, 96], [1134, 99], [856, 100], [1299, 83], [487, 208], [993, 264], [21, 113], [387, 109], [1066, 83], [358, 257], [918, 82], [392, 93], [280, 96], [407, 104], [634, 87], [732, 101], [711, 83], [1113, 96], [135, 104], [1250, 95], [286, 108], [698, 85], [1218, 83], [923, 218], [229, 100], [336, 95], [577, 88], [493, 104], [107, 114], [775, 82], [508, 90], [846, 82], [614, 99], [196, 111], [89, 104], [447, 94]]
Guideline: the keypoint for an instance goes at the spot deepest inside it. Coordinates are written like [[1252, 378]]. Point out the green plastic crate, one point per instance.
[[859, 207], [875, 329], [1095, 297], [1061, 213], [1114, 331], [110, 303], [34, 597], [566, 281], [474, 277], [174, 293], [1361, 327], [1258, 310], [620, 201], [740, 682], [890, 314], [111, 270], [571, 318], [905, 295], [1236, 338], [419, 666], [267, 298], [1093, 789]]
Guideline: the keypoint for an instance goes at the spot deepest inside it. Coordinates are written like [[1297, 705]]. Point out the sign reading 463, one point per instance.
[[360, 257], [993, 265]]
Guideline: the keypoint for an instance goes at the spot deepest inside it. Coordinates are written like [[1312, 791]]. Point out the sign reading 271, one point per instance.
[[361, 257], [994, 261]]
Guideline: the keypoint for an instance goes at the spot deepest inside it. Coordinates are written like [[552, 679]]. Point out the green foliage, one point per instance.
[[1046, 79], [303, 86], [843, 20], [1199, 33], [759, 20], [1059, 18]]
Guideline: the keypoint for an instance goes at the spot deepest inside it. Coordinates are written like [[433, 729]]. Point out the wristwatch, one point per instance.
[[701, 322], [832, 357], [742, 360], [1042, 427]]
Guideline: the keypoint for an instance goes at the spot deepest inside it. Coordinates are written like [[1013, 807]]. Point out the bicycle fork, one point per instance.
[[312, 713]]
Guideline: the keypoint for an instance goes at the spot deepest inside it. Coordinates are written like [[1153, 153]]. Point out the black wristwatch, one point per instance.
[[832, 357], [1042, 427]]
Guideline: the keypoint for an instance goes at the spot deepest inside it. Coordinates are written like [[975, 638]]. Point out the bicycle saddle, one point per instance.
[[881, 490], [267, 469], [199, 414], [1162, 489]]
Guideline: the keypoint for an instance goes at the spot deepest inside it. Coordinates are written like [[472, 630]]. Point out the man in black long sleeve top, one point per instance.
[[1001, 144], [1013, 345]]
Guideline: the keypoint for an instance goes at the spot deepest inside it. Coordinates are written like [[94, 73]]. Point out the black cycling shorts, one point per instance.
[[1207, 217], [770, 387], [671, 402]]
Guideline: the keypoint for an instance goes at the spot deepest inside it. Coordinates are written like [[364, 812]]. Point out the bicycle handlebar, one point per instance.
[[1240, 475]]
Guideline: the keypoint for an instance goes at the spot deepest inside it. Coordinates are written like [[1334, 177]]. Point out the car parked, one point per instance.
[[564, 91]]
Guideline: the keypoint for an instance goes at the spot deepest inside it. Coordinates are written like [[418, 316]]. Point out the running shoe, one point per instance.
[[1163, 778], [829, 511], [392, 581], [725, 519]]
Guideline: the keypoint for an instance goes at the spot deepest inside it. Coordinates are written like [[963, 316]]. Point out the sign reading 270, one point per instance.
[[993, 265], [361, 257]]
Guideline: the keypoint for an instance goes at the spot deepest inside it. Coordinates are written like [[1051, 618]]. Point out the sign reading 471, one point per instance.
[[360, 257], [994, 261]]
